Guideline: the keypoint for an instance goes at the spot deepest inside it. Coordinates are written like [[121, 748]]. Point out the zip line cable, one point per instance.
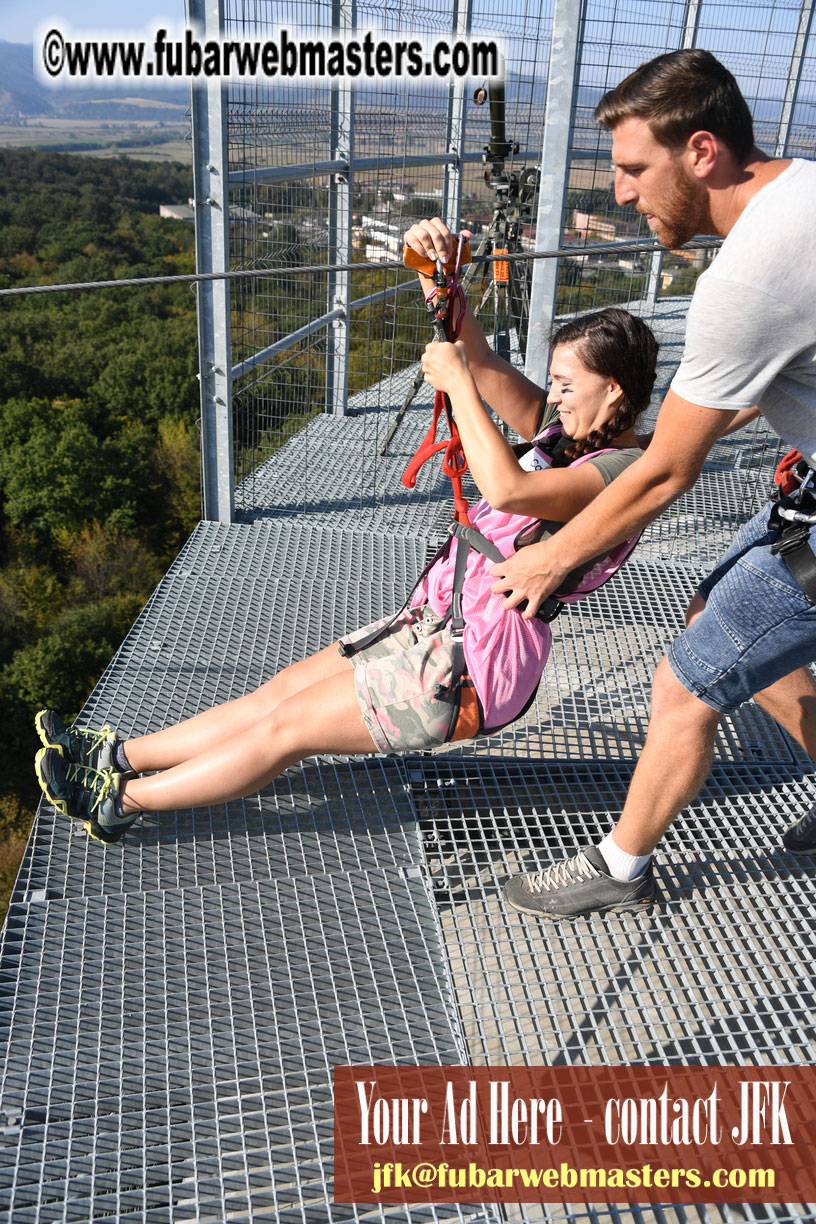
[[642, 245]]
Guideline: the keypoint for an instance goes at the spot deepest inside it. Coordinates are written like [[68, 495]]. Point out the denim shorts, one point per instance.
[[757, 625]]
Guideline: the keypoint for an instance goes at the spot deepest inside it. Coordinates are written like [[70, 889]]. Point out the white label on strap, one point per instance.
[[535, 461]]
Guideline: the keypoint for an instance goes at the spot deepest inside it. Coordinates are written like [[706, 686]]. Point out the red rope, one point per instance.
[[454, 463]]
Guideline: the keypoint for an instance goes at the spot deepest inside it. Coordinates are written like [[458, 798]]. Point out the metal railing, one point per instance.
[[320, 177]]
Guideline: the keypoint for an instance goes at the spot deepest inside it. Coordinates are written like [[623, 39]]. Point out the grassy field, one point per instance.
[[146, 140]]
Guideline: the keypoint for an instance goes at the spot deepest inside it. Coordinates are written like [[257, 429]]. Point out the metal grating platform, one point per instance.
[[170, 1054], [332, 818], [172, 1007], [720, 973], [221, 622], [331, 472]]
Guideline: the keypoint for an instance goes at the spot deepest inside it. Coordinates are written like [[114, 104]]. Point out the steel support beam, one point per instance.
[[555, 164], [339, 252], [455, 124], [691, 24], [306, 170], [653, 283], [211, 195], [794, 78]]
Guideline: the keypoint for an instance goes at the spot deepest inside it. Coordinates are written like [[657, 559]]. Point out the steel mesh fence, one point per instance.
[[284, 139], [283, 221]]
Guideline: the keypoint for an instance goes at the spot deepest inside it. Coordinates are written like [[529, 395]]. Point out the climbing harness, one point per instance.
[[793, 515]]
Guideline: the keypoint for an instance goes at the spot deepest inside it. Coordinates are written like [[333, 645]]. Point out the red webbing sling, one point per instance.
[[440, 306], [787, 479]]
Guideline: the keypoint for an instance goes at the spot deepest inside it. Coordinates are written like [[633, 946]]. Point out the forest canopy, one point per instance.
[[99, 446]]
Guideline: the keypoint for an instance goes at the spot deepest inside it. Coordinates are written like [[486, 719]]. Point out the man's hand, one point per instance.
[[532, 574]]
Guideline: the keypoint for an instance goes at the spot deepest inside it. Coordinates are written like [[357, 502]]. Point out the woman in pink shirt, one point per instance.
[[408, 683]]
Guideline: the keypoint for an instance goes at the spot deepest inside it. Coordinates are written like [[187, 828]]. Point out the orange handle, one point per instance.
[[420, 263]]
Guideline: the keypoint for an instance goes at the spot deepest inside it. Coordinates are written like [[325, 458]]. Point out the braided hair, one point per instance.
[[614, 344]]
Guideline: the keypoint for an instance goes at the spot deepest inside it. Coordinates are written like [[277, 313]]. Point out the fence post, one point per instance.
[[211, 199], [794, 78], [555, 166], [344, 14], [455, 124]]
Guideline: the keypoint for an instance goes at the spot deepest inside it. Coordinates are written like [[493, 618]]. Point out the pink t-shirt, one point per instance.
[[505, 654]]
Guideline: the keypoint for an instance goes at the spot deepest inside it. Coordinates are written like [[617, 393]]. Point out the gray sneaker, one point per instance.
[[578, 886], [800, 838]]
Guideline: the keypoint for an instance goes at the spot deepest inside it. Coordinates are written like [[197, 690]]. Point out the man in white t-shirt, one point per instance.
[[684, 155]]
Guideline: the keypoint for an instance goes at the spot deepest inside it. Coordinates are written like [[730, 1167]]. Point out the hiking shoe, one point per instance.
[[83, 794], [578, 886], [79, 745], [800, 838]]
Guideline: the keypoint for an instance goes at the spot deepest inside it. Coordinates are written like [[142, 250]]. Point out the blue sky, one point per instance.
[[20, 18]]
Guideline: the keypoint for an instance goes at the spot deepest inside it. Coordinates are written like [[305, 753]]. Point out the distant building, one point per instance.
[[177, 212], [240, 215], [606, 229], [383, 242]]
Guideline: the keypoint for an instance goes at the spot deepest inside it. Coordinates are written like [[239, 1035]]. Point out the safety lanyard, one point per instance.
[[447, 291]]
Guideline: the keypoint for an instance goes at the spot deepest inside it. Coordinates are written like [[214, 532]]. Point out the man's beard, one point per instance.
[[682, 215]]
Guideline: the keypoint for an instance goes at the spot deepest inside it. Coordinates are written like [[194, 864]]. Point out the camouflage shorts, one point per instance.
[[396, 678]]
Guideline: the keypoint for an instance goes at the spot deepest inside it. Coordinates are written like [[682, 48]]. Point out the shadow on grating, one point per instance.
[[169, 1055], [315, 819], [478, 815]]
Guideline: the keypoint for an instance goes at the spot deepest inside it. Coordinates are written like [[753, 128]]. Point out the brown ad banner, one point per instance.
[[430, 1134]]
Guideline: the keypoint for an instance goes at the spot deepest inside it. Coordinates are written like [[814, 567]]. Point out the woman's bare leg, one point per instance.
[[206, 731], [325, 717]]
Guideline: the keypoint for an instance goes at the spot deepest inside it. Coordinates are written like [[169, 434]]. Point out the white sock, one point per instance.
[[622, 866]]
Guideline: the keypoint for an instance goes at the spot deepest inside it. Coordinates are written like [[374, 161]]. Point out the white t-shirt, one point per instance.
[[751, 329]]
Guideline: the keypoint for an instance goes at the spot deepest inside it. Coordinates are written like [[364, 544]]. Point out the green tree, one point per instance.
[[56, 472]]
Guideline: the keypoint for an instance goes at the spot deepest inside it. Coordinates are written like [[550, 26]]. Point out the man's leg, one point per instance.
[[673, 766], [792, 702], [654, 798]]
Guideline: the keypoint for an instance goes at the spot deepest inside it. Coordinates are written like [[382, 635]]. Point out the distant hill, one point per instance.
[[22, 94]]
